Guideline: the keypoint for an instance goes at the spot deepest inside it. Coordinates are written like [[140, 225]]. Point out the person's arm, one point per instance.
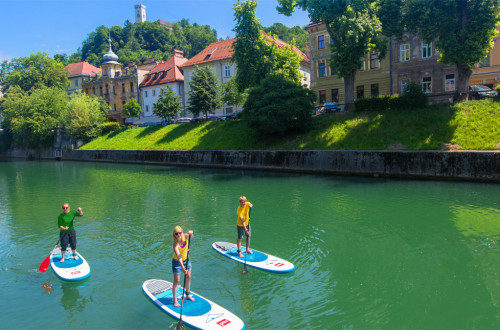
[[79, 212]]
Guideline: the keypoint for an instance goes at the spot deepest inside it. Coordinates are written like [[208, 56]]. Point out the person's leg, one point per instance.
[[174, 289], [64, 244], [248, 240], [188, 281], [238, 241], [72, 243]]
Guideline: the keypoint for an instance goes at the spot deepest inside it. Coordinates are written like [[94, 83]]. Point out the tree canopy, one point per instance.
[[132, 108], [84, 116], [168, 105], [205, 95]]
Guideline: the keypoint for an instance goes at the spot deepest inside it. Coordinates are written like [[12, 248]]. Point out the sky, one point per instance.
[[60, 26]]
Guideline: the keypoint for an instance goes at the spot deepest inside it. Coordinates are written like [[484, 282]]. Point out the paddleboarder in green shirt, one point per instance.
[[67, 232]]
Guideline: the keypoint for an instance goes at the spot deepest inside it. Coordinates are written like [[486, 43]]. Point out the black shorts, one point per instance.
[[68, 237], [241, 231]]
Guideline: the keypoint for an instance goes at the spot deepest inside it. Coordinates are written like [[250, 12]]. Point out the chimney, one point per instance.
[[178, 53], [151, 60]]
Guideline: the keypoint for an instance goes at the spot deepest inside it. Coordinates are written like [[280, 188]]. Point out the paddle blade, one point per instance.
[[44, 265], [180, 325], [244, 271]]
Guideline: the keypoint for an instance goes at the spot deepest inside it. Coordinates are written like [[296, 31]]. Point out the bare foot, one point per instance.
[[240, 255], [62, 260], [176, 304], [250, 251], [76, 257], [188, 296]]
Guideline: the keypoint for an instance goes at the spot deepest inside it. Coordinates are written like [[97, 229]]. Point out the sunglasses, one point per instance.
[[65, 207], [178, 233]]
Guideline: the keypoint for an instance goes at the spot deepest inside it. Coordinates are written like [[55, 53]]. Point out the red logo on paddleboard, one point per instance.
[[279, 264], [223, 323], [74, 273]]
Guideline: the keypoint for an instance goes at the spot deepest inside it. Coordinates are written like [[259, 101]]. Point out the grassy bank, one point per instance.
[[473, 125]]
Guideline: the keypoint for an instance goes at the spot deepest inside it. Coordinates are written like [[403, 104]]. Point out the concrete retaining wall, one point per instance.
[[460, 165]]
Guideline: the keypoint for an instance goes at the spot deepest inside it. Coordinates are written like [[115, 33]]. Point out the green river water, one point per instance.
[[369, 253]]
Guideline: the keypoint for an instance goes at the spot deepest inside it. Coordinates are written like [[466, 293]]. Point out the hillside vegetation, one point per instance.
[[473, 125]]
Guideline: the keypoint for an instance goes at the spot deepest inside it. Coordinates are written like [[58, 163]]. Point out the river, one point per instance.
[[368, 252]]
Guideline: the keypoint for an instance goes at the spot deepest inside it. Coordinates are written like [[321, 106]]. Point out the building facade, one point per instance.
[[487, 72], [218, 56], [78, 73], [166, 74], [116, 85], [372, 79]]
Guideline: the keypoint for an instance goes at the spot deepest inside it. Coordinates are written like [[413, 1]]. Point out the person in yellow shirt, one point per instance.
[[243, 223], [180, 262]]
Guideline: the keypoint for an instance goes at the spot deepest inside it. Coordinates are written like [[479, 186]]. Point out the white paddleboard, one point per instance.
[[257, 259], [199, 314], [70, 270]]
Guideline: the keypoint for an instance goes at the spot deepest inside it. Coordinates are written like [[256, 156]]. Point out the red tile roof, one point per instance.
[[81, 68], [222, 50], [165, 72]]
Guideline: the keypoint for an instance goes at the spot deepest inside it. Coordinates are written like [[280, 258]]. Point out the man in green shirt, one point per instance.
[[67, 233]]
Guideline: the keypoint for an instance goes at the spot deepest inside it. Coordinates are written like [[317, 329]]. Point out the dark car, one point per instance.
[[331, 107], [479, 92]]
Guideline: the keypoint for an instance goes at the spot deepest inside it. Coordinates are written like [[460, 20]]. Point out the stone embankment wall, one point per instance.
[[459, 165]]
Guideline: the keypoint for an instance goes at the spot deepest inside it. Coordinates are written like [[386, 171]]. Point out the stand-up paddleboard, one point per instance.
[[257, 259], [199, 314], [70, 270]]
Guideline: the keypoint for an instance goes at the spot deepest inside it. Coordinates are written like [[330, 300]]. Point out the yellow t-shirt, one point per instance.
[[183, 251], [243, 212]]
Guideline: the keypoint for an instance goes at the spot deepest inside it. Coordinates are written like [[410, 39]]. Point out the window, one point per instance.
[[114, 107], [154, 92], [404, 52], [485, 61], [76, 83], [360, 91], [321, 42], [322, 96], [227, 71], [404, 82], [374, 62], [427, 84], [374, 89], [363, 64], [321, 69], [335, 95], [123, 88], [426, 50], [100, 91], [229, 110], [147, 108], [131, 87], [145, 94], [449, 82]]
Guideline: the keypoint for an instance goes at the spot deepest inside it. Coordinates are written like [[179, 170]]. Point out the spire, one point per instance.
[[110, 57]]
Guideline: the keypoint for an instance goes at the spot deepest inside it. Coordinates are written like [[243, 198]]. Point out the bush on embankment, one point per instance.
[[473, 125]]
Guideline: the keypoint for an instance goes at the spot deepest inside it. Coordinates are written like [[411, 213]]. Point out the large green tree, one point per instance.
[[461, 30], [296, 34], [231, 95], [168, 105], [205, 95], [132, 108], [84, 117], [31, 117], [35, 70], [354, 30], [257, 54]]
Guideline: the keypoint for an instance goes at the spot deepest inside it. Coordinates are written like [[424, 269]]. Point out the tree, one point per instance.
[[84, 117], [204, 95], [257, 54], [168, 105], [354, 30], [31, 117], [132, 108], [231, 94], [296, 34], [462, 30], [103, 105], [34, 71], [278, 106]]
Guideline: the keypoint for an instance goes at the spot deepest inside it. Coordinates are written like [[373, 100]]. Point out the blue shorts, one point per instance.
[[241, 231], [176, 266]]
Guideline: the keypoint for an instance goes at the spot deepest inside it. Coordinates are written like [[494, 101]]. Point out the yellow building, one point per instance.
[[487, 72], [372, 79]]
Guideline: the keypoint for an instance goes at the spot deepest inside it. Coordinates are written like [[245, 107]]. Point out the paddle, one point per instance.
[[46, 262], [244, 271], [180, 325]]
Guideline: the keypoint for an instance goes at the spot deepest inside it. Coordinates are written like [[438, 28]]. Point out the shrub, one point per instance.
[[377, 103], [106, 128], [413, 97]]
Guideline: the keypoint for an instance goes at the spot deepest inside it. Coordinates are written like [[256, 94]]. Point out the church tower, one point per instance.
[[140, 13]]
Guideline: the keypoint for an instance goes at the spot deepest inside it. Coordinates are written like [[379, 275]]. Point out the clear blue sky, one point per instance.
[[60, 26]]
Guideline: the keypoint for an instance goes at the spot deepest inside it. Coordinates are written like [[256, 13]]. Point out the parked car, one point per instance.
[[479, 92], [181, 120], [331, 107], [232, 115], [166, 122]]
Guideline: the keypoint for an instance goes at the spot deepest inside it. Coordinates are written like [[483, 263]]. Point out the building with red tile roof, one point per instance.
[[163, 75], [77, 72], [218, 55]]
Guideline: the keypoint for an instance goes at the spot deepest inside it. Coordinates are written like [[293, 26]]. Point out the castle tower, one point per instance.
[[109, 64], [140, 13]]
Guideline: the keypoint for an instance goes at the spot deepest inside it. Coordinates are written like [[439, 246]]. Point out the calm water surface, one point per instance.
[[369, 253]]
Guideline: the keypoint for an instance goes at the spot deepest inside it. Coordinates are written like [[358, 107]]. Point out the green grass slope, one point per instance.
[[473, 125]]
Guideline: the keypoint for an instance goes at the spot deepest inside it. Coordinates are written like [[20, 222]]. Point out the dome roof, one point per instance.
[[110, 56]]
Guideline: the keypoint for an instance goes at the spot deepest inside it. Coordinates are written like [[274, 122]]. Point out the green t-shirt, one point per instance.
[[65, 219]]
